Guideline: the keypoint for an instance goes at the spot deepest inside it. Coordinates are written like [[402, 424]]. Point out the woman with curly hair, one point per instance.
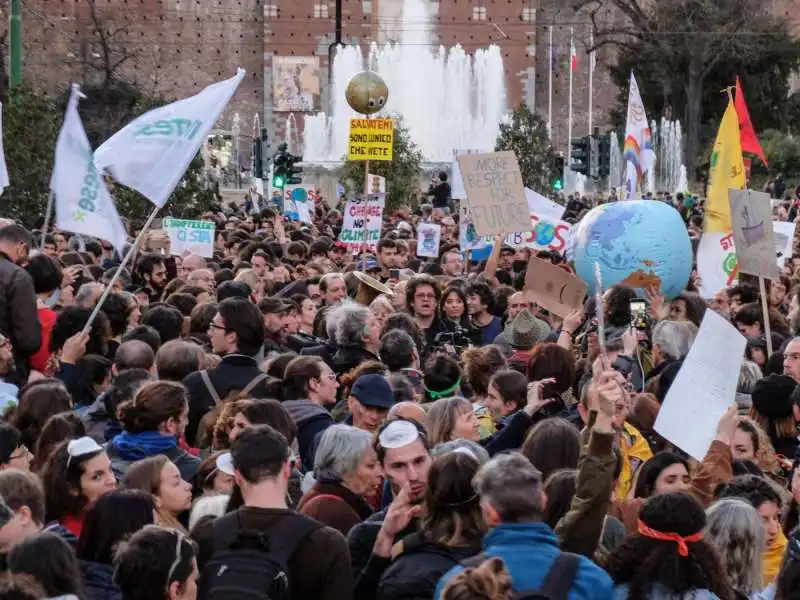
[[667, 557]]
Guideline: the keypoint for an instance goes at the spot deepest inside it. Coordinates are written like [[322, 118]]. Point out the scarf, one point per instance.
[[136, 446], [773, 556]]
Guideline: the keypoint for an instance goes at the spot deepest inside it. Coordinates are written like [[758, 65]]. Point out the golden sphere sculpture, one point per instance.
[[366, 93]]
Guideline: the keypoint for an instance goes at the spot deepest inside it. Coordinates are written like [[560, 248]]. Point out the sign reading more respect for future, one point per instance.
[[370, 139], [495, 192]]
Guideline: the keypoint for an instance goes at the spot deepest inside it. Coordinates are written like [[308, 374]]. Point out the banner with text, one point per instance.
[[361, 229], [370, 139], [186, 235]]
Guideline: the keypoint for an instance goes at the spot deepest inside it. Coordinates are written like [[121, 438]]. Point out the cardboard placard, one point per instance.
[[751, 216], [429, 237], [553, 288], [186, 235], [495, 193]]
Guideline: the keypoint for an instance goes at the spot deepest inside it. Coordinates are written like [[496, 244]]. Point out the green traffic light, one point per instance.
[[277, 182], [558, 185]]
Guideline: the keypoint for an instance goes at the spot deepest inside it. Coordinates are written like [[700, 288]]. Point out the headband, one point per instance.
[[683, 549], [444, 393]]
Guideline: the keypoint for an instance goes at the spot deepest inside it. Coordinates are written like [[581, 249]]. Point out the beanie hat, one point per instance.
[[772, 396]]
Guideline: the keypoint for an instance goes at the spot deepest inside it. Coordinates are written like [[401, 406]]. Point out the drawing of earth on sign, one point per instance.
[[641, 243]]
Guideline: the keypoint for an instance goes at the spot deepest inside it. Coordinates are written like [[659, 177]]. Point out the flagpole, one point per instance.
[[48, 211], [122, 265], [591, 78], [550, 86], [569, 118]]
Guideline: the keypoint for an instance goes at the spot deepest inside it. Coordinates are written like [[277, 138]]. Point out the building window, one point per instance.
[[528, 14], [320, 11], [270, 10], [478, 13]]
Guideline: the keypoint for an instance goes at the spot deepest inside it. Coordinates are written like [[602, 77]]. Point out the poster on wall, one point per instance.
[[295, 83]]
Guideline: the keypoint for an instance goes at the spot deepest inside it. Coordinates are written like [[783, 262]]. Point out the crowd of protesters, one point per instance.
[[270, 423]]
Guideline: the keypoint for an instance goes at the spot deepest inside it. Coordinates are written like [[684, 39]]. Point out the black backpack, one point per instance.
[[557, 583], [252, 564]]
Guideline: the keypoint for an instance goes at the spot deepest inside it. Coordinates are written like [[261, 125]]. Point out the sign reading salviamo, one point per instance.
[[83, 204], [152, 152]]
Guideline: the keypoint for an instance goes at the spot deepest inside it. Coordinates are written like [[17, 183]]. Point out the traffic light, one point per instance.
[[558, 173], [604, 156], [294, 174], [580, 154], [279, 167]]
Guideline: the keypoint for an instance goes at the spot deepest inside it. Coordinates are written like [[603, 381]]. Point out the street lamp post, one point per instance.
[[236, 130]]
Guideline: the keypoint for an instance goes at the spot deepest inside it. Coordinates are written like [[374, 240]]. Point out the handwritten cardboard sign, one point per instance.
[[495, 193], [753, 237], [553, 288]]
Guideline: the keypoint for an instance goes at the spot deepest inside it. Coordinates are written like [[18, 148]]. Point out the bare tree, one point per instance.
[[680, 42]]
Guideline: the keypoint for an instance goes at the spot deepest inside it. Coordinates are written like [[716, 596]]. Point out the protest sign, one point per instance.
[[429, 236], [553, 288], [370, 139], [751, 216], [298, 202], [546, 230], [361, 229], [376, 184], [457, 190], [186, 235], [495, 194], [783, 232], [715, 358]]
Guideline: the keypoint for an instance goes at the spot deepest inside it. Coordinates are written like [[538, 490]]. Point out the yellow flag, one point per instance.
[[726, 172]]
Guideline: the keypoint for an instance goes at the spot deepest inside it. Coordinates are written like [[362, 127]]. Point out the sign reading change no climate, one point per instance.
[[370, 139], [495, 194]]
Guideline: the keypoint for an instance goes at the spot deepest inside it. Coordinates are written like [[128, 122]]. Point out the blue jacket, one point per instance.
[[528, 551]]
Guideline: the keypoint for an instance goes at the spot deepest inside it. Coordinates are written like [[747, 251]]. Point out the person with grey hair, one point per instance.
[[133, 354], [88, 295], [357, 335], [672, 340], [513, 501], [468, 447], [749, 374], [346, 471], [736, 530]]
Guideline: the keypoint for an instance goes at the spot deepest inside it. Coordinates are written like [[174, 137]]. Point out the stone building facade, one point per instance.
[[176, 47]]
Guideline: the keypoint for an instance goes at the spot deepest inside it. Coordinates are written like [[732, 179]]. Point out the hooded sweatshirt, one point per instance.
[[311, 420]]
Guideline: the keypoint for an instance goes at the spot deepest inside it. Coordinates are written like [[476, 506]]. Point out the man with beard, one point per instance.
[[277, 313], [153, 274], [403, 451]]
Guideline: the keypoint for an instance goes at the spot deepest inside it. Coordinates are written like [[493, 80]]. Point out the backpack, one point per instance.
[[252, 564], [247, 389], [557, 582]]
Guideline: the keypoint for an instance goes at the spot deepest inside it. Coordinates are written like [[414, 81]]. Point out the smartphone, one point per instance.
[[394, 274], [639, 313]]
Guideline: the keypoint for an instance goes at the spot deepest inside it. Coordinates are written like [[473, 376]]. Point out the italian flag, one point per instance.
[[573, 57]]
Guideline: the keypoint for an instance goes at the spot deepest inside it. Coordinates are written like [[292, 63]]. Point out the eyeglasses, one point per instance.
[[425, 297], [215, 326]]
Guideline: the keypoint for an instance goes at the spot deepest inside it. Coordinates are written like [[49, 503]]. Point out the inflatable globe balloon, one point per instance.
[[366, 93], [641, 243]]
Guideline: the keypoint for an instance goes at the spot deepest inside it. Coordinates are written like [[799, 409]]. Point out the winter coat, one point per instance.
[[334, 505], [414, 573], [529, 551]]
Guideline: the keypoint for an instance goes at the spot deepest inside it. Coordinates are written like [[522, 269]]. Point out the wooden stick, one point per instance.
[[765, 311]]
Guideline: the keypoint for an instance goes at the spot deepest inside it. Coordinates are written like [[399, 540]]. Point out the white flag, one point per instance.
[[151, 153], [638, 148], [83, 204], [3, 169]]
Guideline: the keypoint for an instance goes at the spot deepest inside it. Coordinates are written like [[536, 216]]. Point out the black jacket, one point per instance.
[[367, 567], [19, 318], [233, 374], [98, 581], [349, 357], [413, 575], [325, 351]]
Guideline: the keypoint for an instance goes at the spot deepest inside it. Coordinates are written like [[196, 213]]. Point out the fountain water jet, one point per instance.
[[448, 100]]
